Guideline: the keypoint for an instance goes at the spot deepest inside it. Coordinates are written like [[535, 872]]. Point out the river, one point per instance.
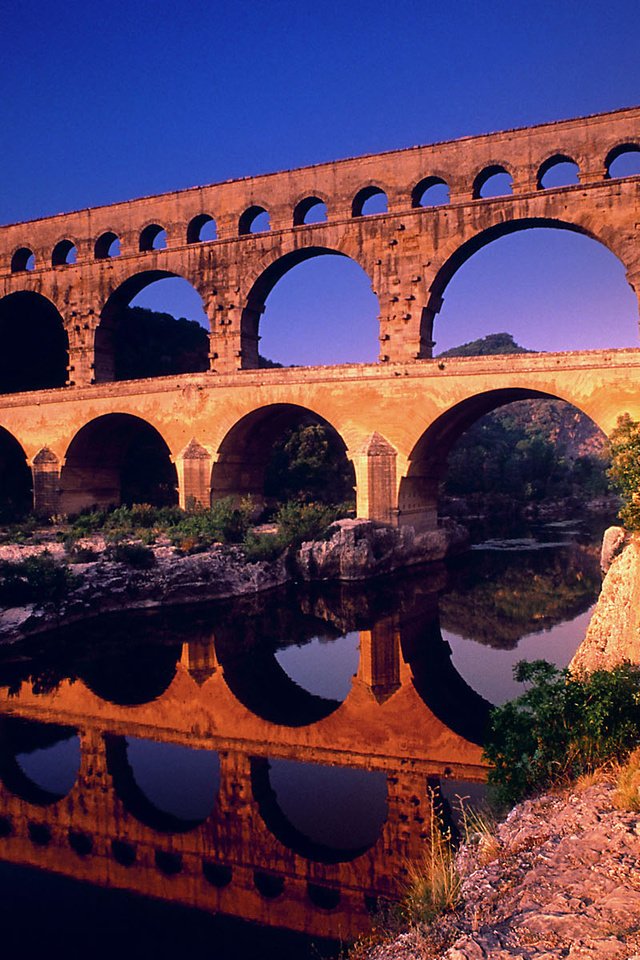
[[250, 779]]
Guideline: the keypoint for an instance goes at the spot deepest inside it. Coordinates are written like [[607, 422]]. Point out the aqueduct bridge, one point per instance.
[[397, 418]]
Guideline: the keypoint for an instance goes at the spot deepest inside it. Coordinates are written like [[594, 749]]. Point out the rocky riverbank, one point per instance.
[[353, 550], [559, 879]]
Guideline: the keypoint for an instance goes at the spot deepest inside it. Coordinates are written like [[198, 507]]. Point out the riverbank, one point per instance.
[[558, 878], [161, 575]]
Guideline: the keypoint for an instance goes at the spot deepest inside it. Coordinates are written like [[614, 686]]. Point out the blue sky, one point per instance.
[[104, 102]]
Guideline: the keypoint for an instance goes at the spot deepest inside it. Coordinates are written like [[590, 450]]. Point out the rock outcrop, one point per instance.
[[559, 879], [358, 549], [613, 635]]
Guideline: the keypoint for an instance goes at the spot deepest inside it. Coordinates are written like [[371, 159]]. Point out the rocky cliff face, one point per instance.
[[613, 635]]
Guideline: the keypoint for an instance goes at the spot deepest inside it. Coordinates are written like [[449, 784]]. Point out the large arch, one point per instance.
[[263, 284], [117, 459], [419, 488], [459, 256], [245, 453], [35, 346], [16, 484], [133, 343]]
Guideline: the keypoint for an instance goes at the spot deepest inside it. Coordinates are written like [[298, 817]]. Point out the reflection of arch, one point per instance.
[[550, 163], [140, 676], [481, 239], [247, 448], [16, 490], [19, 736], [368, 786], [134, 798], [35, 346], [493, 170], [117, 458], [127, 351]]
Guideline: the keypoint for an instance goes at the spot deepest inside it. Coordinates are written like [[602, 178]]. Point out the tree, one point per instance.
[[625, 468]]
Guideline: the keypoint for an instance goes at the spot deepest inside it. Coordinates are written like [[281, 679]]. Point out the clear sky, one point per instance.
[[104, 102]]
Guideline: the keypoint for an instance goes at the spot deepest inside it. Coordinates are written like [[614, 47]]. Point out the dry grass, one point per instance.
[[627, 794]]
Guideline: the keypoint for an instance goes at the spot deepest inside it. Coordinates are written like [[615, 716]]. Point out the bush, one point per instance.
[[133, 554], [265, 546], [561, 727], [36, 580], [306, 521], [625, 469]]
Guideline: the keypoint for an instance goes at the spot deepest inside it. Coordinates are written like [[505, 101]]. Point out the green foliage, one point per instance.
[[133, 554], [625, 468], [306, 521], [263, 546], [309, 464], [491, 345], [561, 727], [36, 580], [224, 522], [152, 344]]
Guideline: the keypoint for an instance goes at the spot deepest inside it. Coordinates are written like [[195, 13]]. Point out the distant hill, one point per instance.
[[492, 344]]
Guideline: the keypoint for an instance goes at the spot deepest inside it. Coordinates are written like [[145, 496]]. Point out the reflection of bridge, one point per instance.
[[235, 861], [218, 429]]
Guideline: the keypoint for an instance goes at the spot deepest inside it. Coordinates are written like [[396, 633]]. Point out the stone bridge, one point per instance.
[[209, 433]]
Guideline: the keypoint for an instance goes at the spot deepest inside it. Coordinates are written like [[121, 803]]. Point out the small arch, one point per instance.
[[80, 843], [558, 170], [623, 161], [64, 254], [168, 862], [23, 260], [369, 201], [202, 229], [430, 192], [39, 762], [255, 219], [217, 874], [123, 852], [493, 181], [326, 898], [107, 246], [268, 885], [310, 210], [39, 833], [153, 237]]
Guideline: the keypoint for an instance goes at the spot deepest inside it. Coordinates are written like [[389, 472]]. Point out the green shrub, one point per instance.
[[264, 546], [36, 580], [625, 468], [562, 727], [133, 554], [306, 521]]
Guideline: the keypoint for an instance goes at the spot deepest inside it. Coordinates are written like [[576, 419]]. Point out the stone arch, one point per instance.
[[117, 459], [104, 246], [244, 454], [249, 216], [418, 489], [459, 256], [552, 161], [486, 174], [64, 253], [628, 147], [158, 812], [365, 194], [290, 816], [23, 259], [16, 487], [196, 226], [423, 186], [35, 345], [305, 205], [150, 236], [113, 339], [263, 282]]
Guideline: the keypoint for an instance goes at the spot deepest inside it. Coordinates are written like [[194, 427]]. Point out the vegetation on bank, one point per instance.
[[625, 468]]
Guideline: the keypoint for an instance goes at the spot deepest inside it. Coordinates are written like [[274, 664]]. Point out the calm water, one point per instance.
[[249, 779]]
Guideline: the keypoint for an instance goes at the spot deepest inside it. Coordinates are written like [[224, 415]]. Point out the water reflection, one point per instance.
[[269, 758]]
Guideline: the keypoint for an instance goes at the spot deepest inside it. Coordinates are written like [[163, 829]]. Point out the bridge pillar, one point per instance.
[[45, 468], [193, 467], [375, 467], [81, 327], [379, 666], [405, 333]]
